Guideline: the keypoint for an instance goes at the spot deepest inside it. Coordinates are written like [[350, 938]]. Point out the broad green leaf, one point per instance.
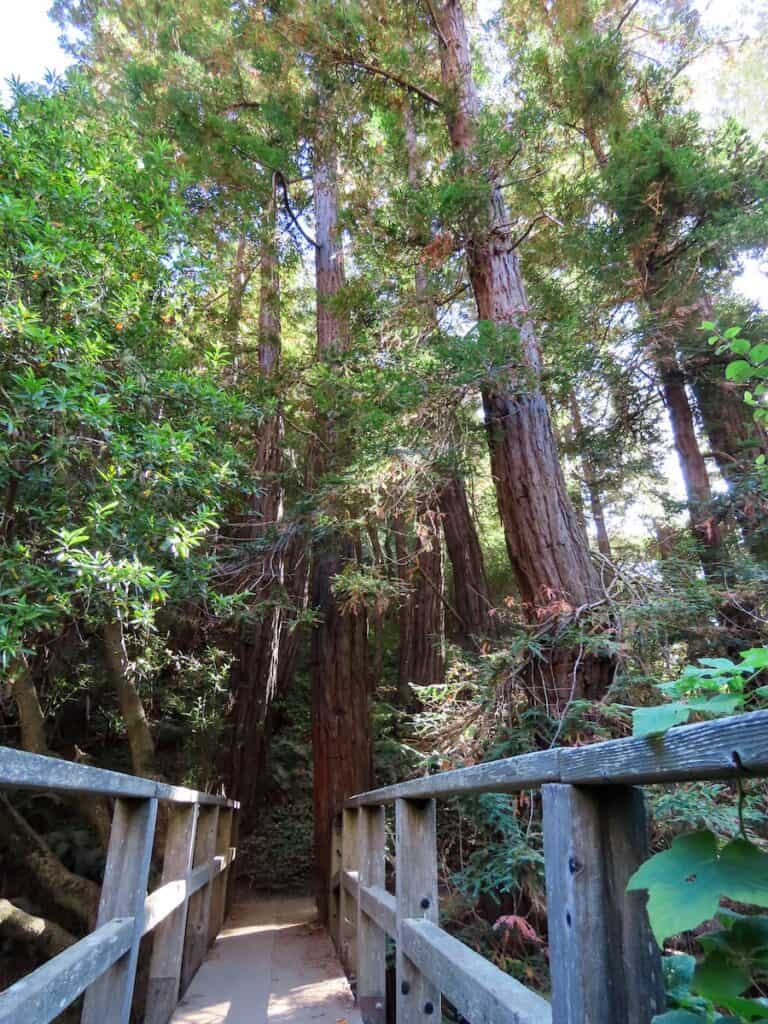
[[656, 720], [678, 1017], [739, 370], [740, 346], [719, 977], [722, 704], [731, 332], [755, 657], [759, 353]]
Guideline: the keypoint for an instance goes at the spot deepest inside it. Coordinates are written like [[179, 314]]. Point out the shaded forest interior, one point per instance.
[[380, 395]]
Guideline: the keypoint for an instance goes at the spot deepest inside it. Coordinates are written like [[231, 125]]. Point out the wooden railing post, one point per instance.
[[219, 893], [604, 963], [371, 939], [334, 890], [123, 892], [418, 999], [347, 922], [198, 914], [168, 944]]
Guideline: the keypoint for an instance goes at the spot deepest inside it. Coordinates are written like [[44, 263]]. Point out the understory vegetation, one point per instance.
[[379, 396]]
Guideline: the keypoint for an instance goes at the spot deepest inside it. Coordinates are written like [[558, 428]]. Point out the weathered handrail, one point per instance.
[[186, 912], [605, 965]]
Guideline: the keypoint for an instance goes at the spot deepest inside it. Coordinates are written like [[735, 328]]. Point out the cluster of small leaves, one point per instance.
[[751, 367]]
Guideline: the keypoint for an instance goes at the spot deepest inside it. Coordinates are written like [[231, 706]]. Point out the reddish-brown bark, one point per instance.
[[421, 643], [474, 617], [547, 545], [341, 744]]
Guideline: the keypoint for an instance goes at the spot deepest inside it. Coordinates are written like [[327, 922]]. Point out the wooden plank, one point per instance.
[[42, 995], [219, 891], [381, 906], [707, 751], [371, 937], [20, 770], [199, 906], [168, 945], [123, 893], [508, 775], [477, 988], [334, 888], [418, 998], [604, 963], [347, 922]]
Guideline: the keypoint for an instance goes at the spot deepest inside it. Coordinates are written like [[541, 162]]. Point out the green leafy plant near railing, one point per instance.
[[687, 882]]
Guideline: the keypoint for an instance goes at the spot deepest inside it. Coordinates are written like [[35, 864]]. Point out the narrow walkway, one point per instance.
[[272, 963]]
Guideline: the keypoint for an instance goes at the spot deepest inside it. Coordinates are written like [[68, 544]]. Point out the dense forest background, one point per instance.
[[376, 397]]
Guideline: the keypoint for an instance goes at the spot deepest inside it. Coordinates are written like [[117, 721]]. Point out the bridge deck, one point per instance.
[[271, 963]]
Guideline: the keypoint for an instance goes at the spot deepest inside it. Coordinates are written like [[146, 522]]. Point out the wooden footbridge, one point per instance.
[[271, 963]]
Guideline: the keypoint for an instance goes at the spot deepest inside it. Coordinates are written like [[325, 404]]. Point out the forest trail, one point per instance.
[[272, 962]]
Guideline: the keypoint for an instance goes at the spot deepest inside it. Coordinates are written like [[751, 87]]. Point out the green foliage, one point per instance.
[[716, 687]]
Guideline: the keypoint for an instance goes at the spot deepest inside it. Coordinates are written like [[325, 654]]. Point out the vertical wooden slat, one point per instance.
[[218, 896], [604, 962], [168, 943], [371, 939], [123, 892], [198, 914], [418, 1000], [334, 894], [347, 922]]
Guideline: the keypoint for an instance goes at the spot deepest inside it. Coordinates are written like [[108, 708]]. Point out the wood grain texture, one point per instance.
[[604, 963], [505, 776], [219, 883], [418, 998], [199, 908], [46, 992], [334, 885], [168, 944], [719, 749], [20, 770], [477, 988], [123, 893], [380, 905], [347, 921], [371, 937]]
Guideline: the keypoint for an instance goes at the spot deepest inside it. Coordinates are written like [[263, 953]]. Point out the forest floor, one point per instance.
[[273, 962]]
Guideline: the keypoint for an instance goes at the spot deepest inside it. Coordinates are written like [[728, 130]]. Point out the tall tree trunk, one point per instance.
[[422, 661], [472, 604], [471, 597], [259, 650], [547, 546], [131, 706], [591, 480], [735, 441], [31, 717], [341, 738]]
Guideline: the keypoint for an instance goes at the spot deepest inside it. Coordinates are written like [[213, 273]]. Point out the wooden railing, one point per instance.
[[186, 912], [605, 966]]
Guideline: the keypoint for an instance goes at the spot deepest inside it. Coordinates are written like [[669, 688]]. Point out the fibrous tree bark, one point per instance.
[[474, 617], [341, 743], [46, 936], [131, 705], [546, 544], [422, 661], [259, 651]]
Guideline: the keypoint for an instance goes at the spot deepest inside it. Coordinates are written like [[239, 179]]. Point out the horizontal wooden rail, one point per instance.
[[710, 751], [605, 965], [103, 964]]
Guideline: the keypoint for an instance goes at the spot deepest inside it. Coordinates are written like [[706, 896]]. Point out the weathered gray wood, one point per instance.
[[219, 890], [477, 988], [123, 893], [604, 963], [380, 905], [42, 995], [199, 906], [371, 938], [418, 998], [508, 775], [168, 945], [720, 749], [347, 922], [334, 889], [20, 770]]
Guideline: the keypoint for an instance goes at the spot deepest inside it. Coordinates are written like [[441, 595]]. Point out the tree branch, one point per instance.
[[390, 76], [50, 938], [280, 177]]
